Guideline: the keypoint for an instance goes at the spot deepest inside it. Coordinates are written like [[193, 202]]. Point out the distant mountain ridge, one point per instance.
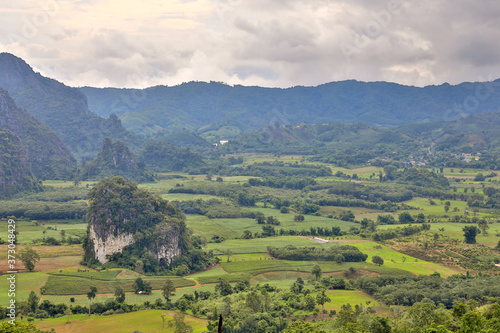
[[219, 111], [48, 155], [61, 108]]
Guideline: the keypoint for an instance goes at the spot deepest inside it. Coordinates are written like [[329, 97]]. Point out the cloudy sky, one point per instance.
[[274, 43]]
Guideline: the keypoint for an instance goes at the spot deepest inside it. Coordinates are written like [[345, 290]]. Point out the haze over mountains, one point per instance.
[[219, 111]]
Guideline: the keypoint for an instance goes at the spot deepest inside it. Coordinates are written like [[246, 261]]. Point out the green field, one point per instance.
[[394, 259], [70, 285], [274, 265], [233, 228], [363, 172], [25, 283], [259, 245], [28, 231], [425, 207], [144, 321], [353, 297], [280, 279], [454, 230]]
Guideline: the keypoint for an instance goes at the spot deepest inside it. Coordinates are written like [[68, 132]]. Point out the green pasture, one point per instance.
[[234, 228], [70, 285], [424, 206], [283, 279], [213, 271], [130, 297], [259, 245], [454, 230], [353, 297], [274, 265], [204, 227], [188, 196], [28, 231], [235, 277], [143, 321], [25, 283], [363, 172], [396, 260], [107, 275], [259, 158]]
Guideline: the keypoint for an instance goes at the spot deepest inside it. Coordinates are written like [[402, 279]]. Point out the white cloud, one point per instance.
[[258, 42]]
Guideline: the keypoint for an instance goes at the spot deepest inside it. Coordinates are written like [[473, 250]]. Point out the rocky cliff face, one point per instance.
[[122, 216], [107, 243]]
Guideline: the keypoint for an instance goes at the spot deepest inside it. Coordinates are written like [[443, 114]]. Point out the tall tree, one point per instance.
[[321, 299], [483, 225], [168, 290], [316, 271], [29, 257], [33, 301], [119, 295], [377, 260], [91, 295], [470, 232], [228, 253]]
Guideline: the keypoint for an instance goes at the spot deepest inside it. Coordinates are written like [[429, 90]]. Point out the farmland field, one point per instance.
[[143, 321]]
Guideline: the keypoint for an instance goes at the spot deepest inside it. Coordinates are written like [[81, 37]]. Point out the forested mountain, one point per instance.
[[219, 111], [48, 155], [115, 159], [470, 133], [61, 108], [15, 171]]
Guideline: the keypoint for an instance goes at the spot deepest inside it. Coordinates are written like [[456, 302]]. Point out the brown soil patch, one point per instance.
[[46, 263]]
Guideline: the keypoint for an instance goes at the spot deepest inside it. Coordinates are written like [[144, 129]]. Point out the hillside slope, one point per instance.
[[63, 109], [15, 171], [48, 155]]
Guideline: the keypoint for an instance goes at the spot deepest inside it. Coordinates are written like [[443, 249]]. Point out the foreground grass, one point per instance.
[[144, 321]]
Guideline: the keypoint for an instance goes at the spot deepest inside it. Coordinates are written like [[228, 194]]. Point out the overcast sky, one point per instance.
[[274, 43]]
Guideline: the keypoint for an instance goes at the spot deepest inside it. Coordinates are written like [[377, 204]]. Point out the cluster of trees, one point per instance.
[[403, 218], [408, 230], [381, 192], [213, 208], [343, 253], [409, 289], [283, 182], [43, 210], [268, 230], [165, 157], [416, 176]]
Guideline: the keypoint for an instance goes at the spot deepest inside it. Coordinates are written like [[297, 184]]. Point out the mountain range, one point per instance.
[[61, 108], [218, 111]]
